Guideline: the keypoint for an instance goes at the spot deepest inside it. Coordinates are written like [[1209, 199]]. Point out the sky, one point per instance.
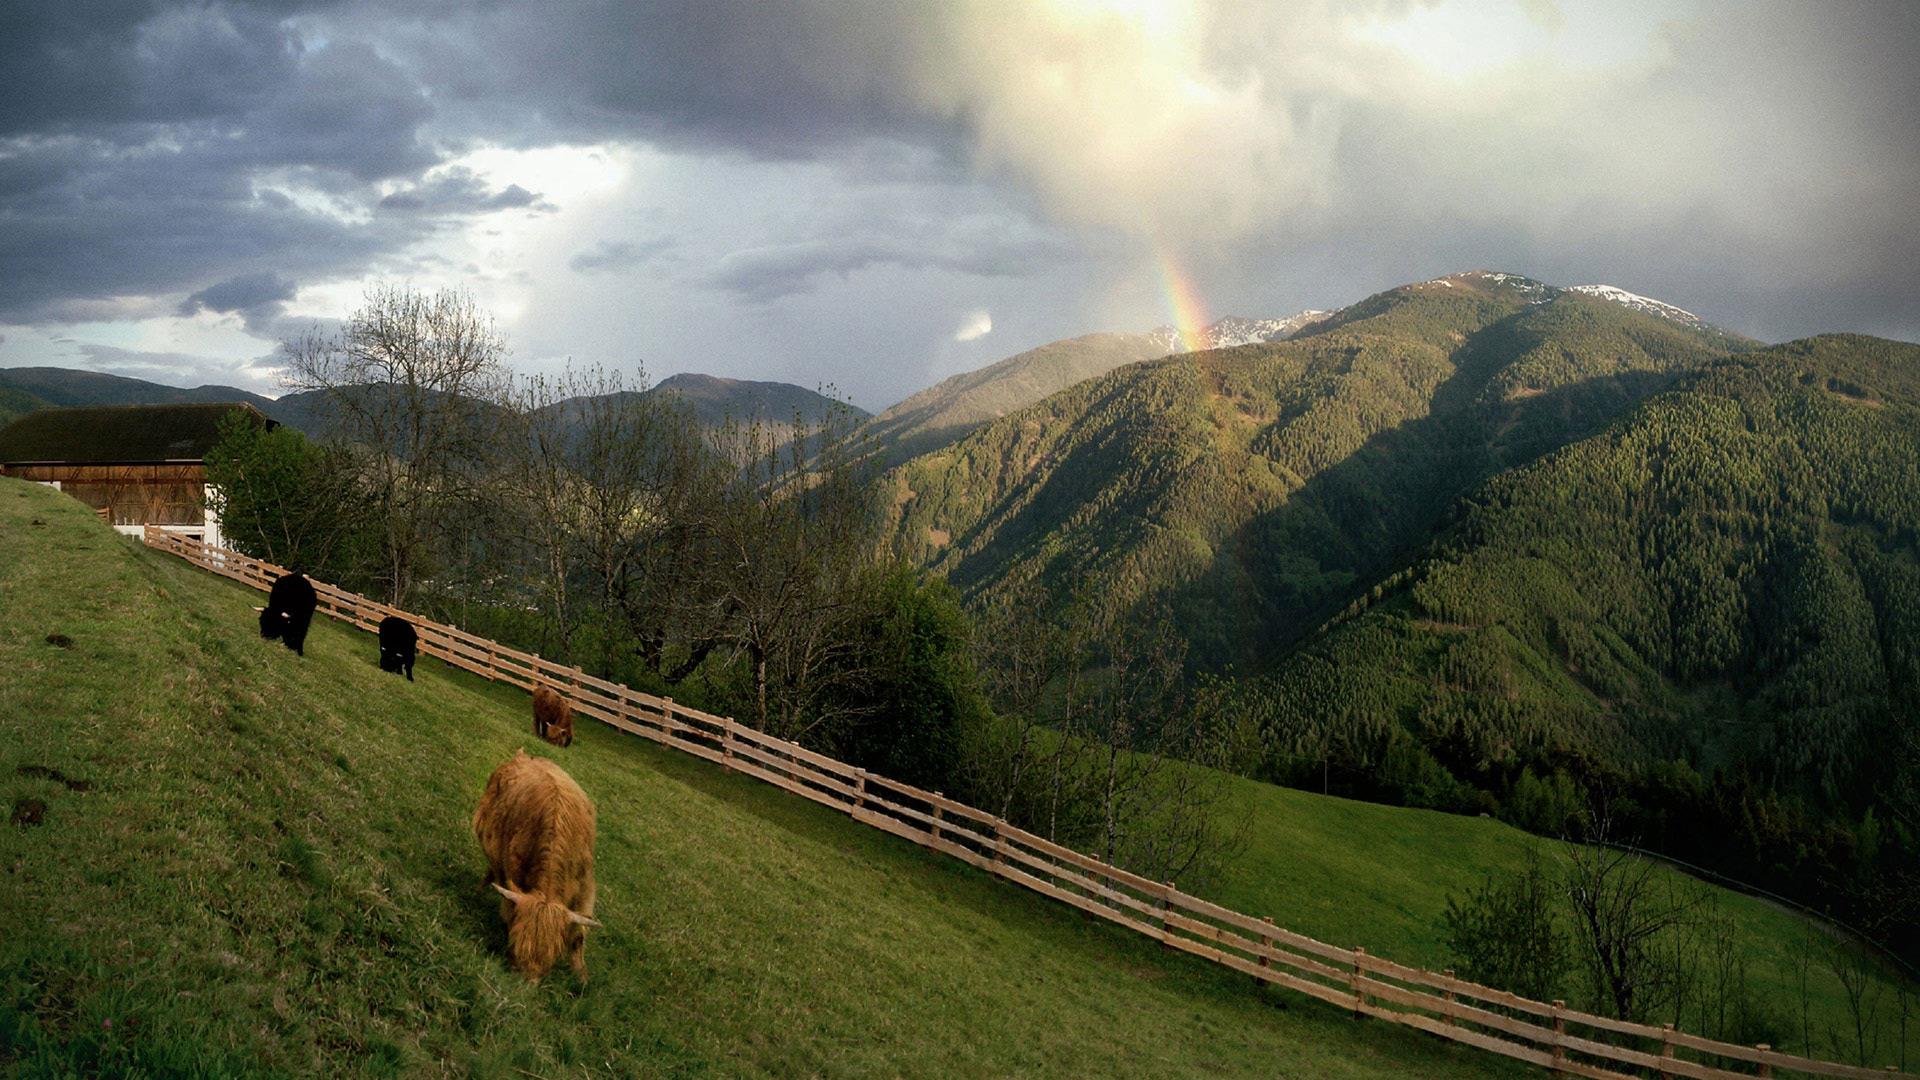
[[871, 196]]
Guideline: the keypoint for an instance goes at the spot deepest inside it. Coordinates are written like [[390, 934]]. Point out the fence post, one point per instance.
[[936, 815], [1766, 1067], [1446, 1011], [1266, 942], [726, 740], [859, 789], [1666, 1048], [999, 857], [1166, 913], [1359, 991], [1559, 1036], [666, 714]]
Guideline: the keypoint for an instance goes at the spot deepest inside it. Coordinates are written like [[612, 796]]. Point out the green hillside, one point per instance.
[[1259, 488], [714, 400], [943, 413], [250, 862], [1377, 876], [68, 386], [1729, 578], [16, 403]]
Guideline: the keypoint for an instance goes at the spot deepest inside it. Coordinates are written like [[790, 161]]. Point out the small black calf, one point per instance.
[[398, 641], [289, 612]]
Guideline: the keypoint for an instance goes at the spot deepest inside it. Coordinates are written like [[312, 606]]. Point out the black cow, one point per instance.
[[289, 612], [398, 641]]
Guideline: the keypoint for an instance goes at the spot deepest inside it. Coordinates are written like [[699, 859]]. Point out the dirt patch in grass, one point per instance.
[[48, 772], [28, 811]]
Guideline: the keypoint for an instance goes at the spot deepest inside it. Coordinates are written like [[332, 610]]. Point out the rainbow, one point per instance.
[[1190, 319]]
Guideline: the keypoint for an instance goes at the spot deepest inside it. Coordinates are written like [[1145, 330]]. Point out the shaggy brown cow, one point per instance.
[[552, 715], [536, 827]]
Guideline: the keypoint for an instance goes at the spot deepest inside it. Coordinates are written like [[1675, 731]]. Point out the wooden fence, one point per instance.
[[1546, 1034]]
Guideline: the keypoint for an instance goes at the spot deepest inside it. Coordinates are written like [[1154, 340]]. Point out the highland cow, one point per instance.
[[536, 827], [552, 715], [289, 612], [399, 643]]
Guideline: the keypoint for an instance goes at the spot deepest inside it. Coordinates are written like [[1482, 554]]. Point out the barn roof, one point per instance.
[[118, 434]]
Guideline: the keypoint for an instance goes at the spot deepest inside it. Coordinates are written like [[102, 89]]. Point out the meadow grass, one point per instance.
[[252, 863], [1355, 873]]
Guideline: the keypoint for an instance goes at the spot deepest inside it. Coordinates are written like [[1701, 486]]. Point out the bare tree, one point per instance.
[[1622, 904], [1022, 654], [789, 538], [1861, 985], [1104, 751], [1804, 950], [404, 379], [642, 473], [536, 492]]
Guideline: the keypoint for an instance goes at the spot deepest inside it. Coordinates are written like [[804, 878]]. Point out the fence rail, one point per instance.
[[1547, 1034]]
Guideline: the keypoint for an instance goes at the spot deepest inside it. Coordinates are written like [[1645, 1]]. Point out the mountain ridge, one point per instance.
[[1178, 476]]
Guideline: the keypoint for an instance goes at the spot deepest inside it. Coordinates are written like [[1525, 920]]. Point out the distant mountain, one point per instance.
[[714, 400], [1534, 292], [15, 403], [1257, 489], [943, 413], [1235, 330], [1485, 544], [950, 409], [67, 386]]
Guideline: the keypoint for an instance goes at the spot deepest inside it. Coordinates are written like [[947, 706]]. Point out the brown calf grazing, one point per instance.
[[552, 715], [536, 827]]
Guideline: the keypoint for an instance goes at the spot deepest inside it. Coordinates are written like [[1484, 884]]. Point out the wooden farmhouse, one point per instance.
[[138, 465]]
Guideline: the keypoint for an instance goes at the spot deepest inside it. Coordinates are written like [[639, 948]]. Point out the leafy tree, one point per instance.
[[1504, 933], [285, 500], [921, 694]]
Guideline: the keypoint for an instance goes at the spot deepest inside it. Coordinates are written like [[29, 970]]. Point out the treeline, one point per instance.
[[736, 566]]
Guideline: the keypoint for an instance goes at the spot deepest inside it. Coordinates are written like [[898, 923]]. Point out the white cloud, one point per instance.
[[978, 325]]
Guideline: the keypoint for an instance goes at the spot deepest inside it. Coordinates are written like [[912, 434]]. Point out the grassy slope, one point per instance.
[[273, 872], [1355, 873]]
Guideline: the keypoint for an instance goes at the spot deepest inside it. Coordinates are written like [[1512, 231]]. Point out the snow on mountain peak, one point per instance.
[[1640, 303], [1235, 330]]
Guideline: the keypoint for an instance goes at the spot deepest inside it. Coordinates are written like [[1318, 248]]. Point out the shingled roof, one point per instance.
[[118, 434]]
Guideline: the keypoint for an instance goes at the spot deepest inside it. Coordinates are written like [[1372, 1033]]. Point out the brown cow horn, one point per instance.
[[509, 893], [584, 920]]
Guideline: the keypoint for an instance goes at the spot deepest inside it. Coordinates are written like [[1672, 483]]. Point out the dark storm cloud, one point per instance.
[[459, 191], [142, 146], [242, 293], [1756, 163], [78, 65], [779, 80], [258, 298]]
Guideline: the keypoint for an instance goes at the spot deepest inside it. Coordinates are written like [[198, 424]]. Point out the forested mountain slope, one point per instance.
[[942, 413], [1257, 488], [15, 403], [1729, 577]]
